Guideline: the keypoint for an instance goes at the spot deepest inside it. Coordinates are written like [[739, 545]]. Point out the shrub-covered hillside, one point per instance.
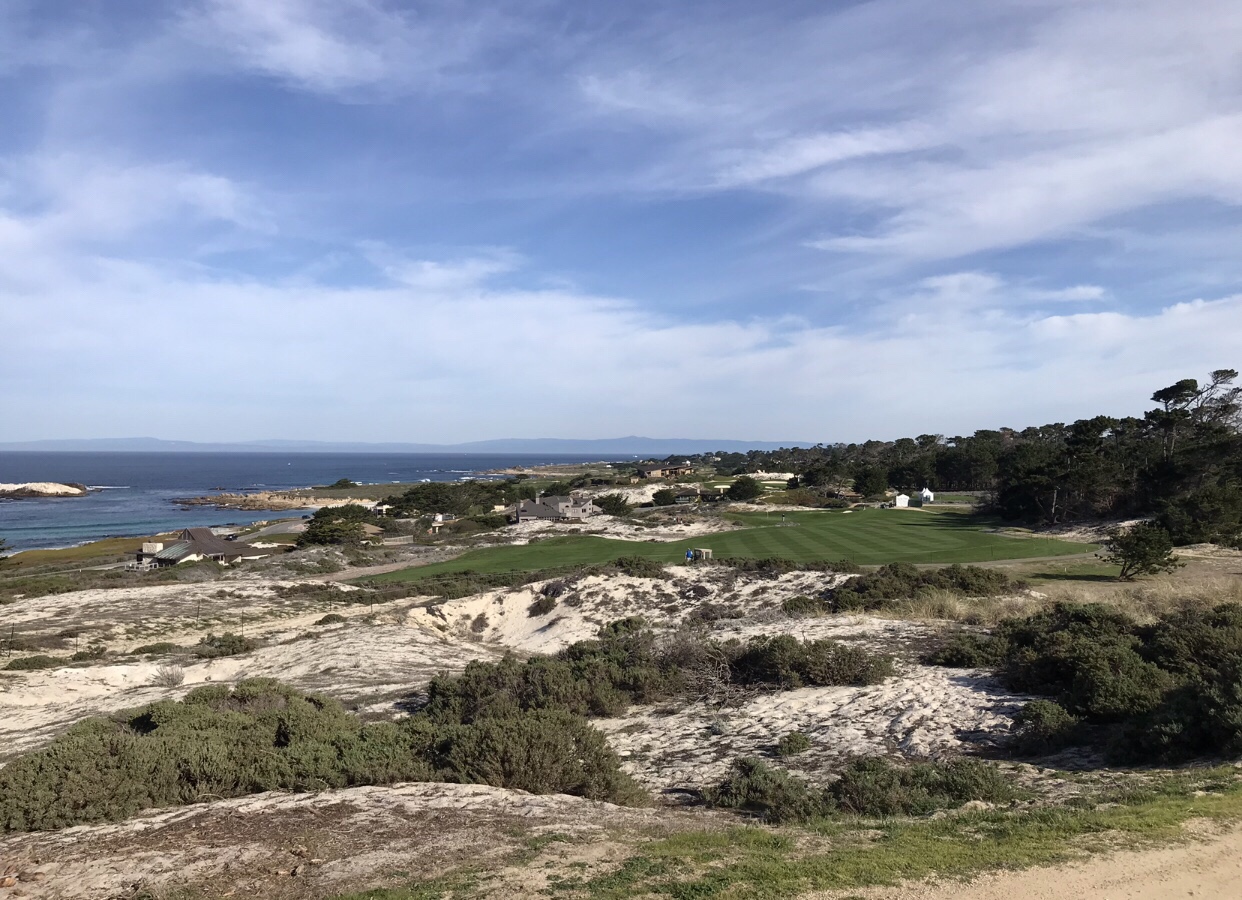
[[1165, 691]]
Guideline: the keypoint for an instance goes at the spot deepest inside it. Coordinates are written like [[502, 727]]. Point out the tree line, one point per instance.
[[1180, 463]]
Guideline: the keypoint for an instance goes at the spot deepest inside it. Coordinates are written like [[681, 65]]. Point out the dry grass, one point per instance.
[[941, 605], [1151, 599], [1211, 576]]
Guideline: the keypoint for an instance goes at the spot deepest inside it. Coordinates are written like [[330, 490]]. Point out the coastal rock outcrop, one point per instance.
[[35, 489]]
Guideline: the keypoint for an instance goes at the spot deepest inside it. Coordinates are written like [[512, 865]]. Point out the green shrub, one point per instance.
[[227, 644], [33, 663], [903, 581], [543, 605], [160, 648], [773, 566], [91, 653], [968, 651], [871, 786], [613, 504], [806, 606], [637, 567], [1147, 693], [783, 660], [549, 751], [263, 736], [331, 619], [1042, 727], [792, 744], [755, 787], [876, 787]]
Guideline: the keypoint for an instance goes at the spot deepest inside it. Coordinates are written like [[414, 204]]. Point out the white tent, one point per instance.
[[901, 500], [928, 496]]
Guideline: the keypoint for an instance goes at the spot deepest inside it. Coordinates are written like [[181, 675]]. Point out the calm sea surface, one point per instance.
[[138, 488]]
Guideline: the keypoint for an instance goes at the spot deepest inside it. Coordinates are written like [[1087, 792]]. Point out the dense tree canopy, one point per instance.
[[1179, 464]]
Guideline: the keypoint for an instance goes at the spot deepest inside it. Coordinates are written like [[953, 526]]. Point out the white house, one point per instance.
[[928, 496], [901, 500]]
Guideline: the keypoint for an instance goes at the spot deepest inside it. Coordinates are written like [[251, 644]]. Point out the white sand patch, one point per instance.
[[353, 661], [922, 712], [503, 616]]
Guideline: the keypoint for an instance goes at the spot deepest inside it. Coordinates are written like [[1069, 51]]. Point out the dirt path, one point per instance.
[[1207, 870]]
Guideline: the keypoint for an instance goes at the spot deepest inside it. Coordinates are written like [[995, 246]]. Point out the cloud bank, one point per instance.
[[448, 222]]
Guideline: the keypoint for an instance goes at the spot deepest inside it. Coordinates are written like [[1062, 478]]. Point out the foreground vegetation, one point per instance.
[[1165, 691], [761, 863], [509, 724]]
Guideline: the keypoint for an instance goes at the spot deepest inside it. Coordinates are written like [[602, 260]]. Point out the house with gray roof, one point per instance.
[[193, 544], [557, 508]]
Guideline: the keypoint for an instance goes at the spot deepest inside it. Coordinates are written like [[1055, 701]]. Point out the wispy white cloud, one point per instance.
[[339, 47], [444, 352], [1027, 123]]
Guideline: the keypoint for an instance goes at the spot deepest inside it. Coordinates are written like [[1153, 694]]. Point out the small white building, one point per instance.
[[927, 495], [901, 500]]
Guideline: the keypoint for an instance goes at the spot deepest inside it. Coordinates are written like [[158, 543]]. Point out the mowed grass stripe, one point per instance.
[[868, 537]]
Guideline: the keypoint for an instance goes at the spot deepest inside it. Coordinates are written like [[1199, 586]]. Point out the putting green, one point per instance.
[[865, 536]]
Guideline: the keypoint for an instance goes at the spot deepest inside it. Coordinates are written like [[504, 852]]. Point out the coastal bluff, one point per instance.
[[37, 489]]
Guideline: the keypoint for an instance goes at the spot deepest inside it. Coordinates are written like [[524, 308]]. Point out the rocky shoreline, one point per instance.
[[266, 500], [42, 490]]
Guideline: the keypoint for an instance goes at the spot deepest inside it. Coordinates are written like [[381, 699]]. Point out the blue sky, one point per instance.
[[445, 221]]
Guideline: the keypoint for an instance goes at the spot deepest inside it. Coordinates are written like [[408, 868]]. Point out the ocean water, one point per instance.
[[137, 489]]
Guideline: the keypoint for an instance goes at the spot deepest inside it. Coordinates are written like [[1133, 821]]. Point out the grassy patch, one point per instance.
[[758, 864], [865, 536], [104, 551]]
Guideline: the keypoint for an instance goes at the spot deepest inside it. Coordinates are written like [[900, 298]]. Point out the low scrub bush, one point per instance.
[[773, 794], [635, 567], [227, 644], [1042, 727], [775, 565], [876, 787], [870, 786], [806, 606], [543, 605], [625, 665], [967, 651], [263, 736], [168, 676], [161, 648], [331, 619], [317, 592], [903, 581], [512, 724], [707, 613], [90, 654], [785, 661], [33, 663], [1161, 692], [792, 744]]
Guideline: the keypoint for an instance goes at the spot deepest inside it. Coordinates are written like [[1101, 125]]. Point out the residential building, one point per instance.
[[193, 544], [556, 508]]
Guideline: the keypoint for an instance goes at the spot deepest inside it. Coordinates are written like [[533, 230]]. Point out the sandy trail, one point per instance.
[[1207, 870]]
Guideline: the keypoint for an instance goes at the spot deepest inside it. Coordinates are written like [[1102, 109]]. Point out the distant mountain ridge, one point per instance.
[[632, 445]]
